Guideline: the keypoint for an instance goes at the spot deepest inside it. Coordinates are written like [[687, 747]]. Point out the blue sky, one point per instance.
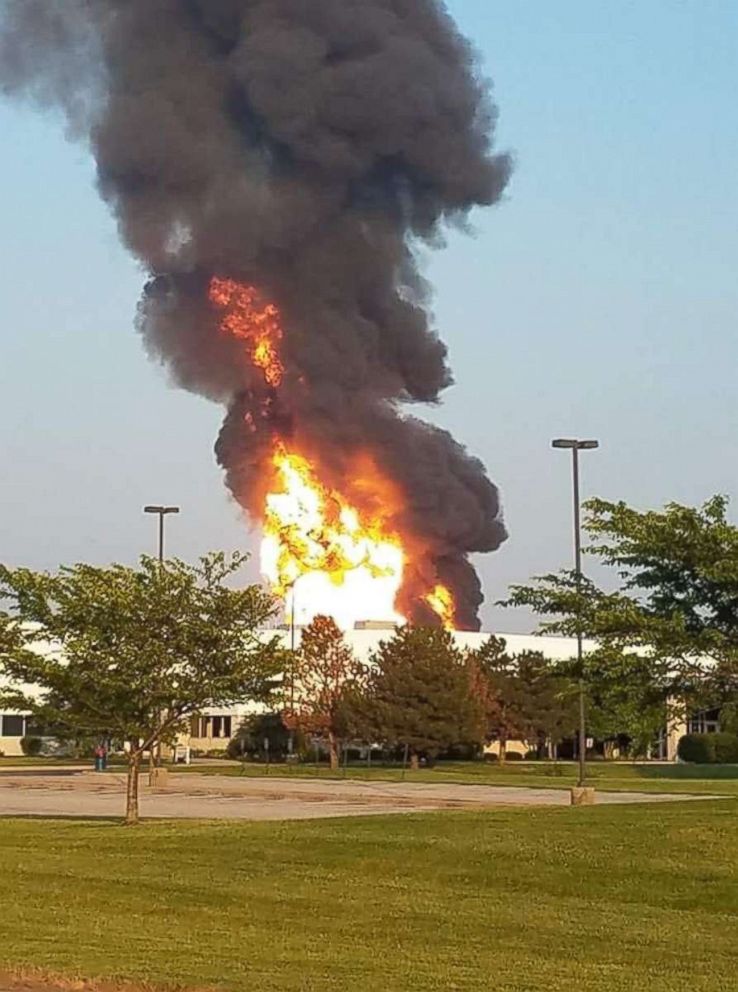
[[599, 299]]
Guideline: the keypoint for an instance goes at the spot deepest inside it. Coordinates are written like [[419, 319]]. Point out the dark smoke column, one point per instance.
[[304, 147]]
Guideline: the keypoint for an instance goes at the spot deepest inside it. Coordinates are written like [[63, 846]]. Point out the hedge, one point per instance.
[[709, 749]]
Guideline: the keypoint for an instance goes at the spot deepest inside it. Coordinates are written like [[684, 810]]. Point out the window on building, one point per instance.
[[211, 726], [704, 722], [13, 726]]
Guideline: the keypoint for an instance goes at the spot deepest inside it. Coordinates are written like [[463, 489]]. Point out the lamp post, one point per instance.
[[291, 742], [575, 446], [161, 512]]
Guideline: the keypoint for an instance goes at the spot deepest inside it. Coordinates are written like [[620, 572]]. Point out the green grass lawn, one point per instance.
[[611, 776], [529, 900]]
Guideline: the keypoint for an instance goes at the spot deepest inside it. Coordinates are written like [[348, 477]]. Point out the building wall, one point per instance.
[[10, 747], [211, 734], [512, 747], [212, 731], [13, 726]]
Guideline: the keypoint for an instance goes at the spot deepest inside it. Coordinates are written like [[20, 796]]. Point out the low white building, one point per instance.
[[212, 730]]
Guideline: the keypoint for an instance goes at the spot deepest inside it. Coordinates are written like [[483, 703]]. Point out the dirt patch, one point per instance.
[[29, 980]]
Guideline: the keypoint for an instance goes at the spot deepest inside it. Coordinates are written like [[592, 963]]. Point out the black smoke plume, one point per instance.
[[304, 147]]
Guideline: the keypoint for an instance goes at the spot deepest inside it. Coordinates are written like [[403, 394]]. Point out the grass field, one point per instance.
[[39, 762], [529, 900], [612, 776]]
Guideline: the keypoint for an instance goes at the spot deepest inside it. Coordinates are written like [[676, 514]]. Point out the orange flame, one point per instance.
[[250, 318], [441, 602], [325, 552], [331, 553]]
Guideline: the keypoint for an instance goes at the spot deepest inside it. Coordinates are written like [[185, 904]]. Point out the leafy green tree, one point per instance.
[[325, 671], [133, 653], [627, 695], [679, 569], [567, 606], [676, 606], [419, 694]]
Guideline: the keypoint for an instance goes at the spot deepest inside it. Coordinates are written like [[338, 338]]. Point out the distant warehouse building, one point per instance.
[[212, 729]]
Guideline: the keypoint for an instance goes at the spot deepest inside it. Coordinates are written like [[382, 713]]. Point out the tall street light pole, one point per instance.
[[291, 743], [575, 446], [161, 512]]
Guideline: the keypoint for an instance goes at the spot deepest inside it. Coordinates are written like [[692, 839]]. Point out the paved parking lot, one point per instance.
[[193, 796]]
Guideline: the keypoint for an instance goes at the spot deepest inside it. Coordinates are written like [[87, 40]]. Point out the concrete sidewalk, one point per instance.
[[193, 796]]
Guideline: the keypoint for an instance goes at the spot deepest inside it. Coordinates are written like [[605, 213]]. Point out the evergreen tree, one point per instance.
[[549, 703], [500, 693], [419, 694], [523, 696]]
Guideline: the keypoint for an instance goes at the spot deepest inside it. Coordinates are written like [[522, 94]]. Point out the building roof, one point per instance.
[[365, 639]]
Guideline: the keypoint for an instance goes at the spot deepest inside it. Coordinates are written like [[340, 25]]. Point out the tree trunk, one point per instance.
[[333, 751], [503, 751], [134, 766], [414, 762]]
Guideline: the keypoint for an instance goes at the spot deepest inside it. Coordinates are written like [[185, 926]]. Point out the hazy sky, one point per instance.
[[600, 299]]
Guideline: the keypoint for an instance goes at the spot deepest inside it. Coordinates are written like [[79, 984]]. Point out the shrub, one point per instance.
[[31, 746], [513, 756], [725, 747], [709, 749], [697, 749], [249, 738], [236, 749], [531, 755]]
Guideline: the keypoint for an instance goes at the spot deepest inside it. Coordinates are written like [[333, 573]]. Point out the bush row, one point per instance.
[[709, 749]]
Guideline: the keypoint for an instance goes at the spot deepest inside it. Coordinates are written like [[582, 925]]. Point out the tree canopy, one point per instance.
[[130, 654], [324, 673], [675, 604], [419, 693], [523, 696]]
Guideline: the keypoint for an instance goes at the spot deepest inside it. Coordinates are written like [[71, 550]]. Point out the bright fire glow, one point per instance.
[[320, 552], [441, 602]]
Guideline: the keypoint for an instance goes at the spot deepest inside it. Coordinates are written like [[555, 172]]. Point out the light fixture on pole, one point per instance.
[[575, 446], [161, 512]]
